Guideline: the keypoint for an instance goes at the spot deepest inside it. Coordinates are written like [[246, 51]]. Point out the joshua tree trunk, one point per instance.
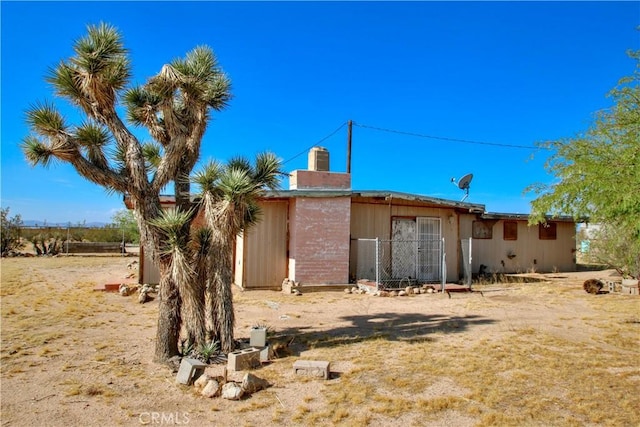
[[192, 290], [193, 308], [222, 298], [169, 319]]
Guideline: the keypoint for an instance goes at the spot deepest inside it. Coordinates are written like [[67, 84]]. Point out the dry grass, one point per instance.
[[524, 379], [524, 354]]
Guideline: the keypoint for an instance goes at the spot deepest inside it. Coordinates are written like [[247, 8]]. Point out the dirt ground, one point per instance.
[[72, 356]]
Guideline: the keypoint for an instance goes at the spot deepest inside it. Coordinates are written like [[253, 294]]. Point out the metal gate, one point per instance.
[[416, 248], [429, 249], [414, 255]]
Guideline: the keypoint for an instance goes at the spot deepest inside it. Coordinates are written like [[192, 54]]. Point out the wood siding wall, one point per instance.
[[525, 254], [373, 219], [261, 252]]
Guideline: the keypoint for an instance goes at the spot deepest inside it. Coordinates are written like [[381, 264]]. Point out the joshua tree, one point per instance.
[[229, 205], [201, 263], [174, 106]]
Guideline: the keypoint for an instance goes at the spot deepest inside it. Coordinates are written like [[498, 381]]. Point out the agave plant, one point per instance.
[[207, 351]]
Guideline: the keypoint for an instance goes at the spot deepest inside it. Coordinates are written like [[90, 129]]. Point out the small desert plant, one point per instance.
[[46, 245], [207, 351], [11, 232], [186, 348]]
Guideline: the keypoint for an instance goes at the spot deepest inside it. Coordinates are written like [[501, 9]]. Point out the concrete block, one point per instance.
[[266, 353], [258, 337], [189, 370], [244, 359], [314, 368]]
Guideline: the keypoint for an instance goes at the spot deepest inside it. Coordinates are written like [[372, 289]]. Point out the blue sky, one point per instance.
[[512, 73]]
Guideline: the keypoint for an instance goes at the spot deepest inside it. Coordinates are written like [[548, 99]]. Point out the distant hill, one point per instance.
[[36, 223]]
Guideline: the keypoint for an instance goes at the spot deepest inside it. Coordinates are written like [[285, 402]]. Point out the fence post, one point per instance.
[[470, 264], [443, 266], [377, 264]]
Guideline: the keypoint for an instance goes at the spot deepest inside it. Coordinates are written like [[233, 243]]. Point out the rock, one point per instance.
[[402, 293], [393, 293], [201, 382], [147, 288], [354, 290], [232, 391], [383, 293], [143, 297], [347, 290], [251, 383], [430, 290], [408, 290], [124, 290], [296, 292], [211, 389]]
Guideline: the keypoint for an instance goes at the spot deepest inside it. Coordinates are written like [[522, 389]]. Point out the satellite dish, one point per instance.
[[464, 183]]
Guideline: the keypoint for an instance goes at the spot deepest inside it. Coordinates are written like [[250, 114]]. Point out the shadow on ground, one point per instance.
[[407, 327]]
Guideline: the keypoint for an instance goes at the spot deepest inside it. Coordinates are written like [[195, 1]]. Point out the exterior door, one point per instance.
[[429, 249], [416, 248], [403, 248]]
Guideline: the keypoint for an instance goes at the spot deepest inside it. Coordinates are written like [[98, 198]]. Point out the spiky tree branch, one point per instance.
[[174, 106]]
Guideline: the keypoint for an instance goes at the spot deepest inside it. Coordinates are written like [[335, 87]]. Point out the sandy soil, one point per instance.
[[72, 356]]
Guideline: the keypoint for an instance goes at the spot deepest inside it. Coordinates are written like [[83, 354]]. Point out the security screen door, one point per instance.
[[429, 242], [416, 248]]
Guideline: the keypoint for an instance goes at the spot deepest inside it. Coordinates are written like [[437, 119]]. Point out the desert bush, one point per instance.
[[11, 232]]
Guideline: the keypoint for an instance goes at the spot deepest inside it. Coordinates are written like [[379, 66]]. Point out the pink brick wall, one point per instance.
[[319, 240], [303, 179]]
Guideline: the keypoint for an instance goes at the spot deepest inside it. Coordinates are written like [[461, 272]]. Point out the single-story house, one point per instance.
[[320, 231]]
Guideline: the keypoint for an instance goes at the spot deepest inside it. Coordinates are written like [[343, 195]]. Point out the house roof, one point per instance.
[[384, 194], [524, 217], [474, 208]]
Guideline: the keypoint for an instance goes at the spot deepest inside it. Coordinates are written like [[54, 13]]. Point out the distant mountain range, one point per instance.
[[36, 223]]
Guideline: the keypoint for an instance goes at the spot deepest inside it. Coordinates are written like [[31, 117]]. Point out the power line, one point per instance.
[[443, 138], [306, 150], [419, 135]]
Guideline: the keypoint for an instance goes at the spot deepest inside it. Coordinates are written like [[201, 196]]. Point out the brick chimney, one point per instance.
[[318, 176]]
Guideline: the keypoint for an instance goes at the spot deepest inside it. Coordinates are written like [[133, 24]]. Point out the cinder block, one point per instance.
[[189, 369], [244, 359], [265, 353], [314, 368], [258, 337]]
